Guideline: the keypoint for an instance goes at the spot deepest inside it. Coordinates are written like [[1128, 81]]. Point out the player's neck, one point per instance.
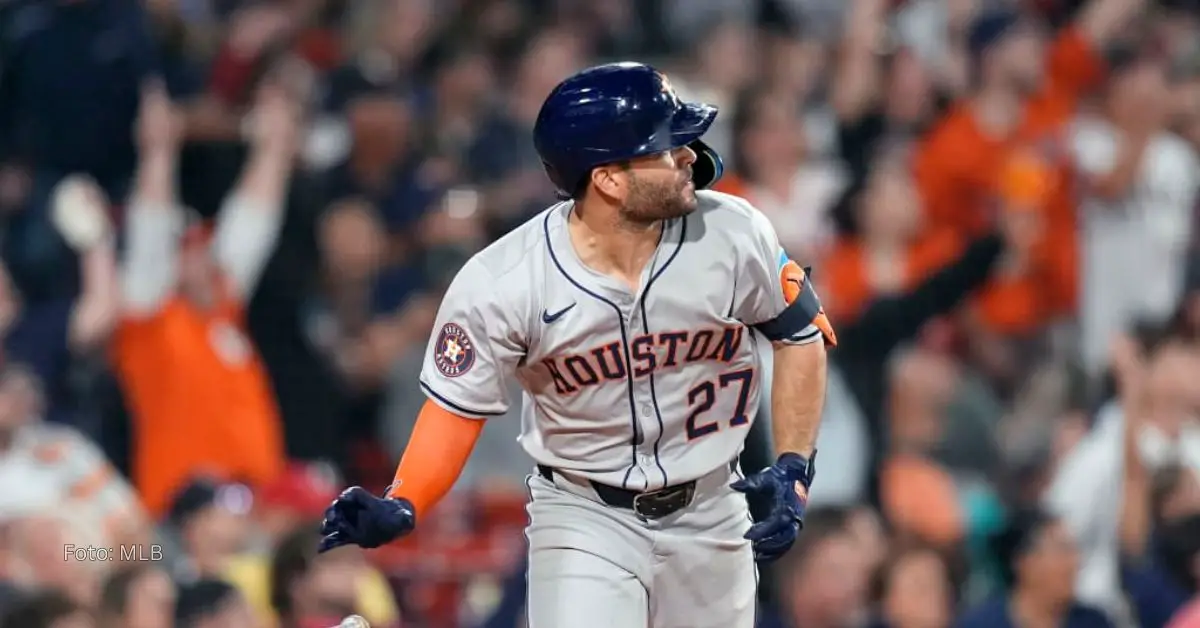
[[612, 246]]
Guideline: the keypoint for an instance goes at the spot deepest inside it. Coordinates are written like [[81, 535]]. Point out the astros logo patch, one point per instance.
[[454, 353]]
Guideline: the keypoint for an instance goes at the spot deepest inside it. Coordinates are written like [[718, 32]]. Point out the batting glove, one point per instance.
[[774, 535], [359, 518]]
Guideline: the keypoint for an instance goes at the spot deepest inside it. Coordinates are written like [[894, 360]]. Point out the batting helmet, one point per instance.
[[614, 112]]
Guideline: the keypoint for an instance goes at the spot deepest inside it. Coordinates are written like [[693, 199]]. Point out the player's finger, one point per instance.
[[766, 557], [357, 495], [777, 543], [762, 530], [332, 517], [330, 541], [748, 484]]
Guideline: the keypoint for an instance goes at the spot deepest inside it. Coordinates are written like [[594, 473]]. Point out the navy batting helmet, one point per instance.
[[615, 112]]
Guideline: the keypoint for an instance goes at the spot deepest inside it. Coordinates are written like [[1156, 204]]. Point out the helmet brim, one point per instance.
[[690, 122]]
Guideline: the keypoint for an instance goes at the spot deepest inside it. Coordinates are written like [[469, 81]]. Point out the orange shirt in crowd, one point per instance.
[[966, 176], [732, 184], [199, 397], [846, 272], [921, 499]]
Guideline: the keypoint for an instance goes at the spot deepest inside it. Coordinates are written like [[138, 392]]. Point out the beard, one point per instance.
[[651, 202]]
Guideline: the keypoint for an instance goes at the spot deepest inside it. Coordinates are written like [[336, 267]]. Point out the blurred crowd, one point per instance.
[[225, 226]]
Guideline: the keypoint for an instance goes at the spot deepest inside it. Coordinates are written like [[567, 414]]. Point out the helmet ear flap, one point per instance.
[[562, 187], [708, 167]]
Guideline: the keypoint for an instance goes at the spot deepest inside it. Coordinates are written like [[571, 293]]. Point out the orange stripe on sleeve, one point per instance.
[[437, 451]]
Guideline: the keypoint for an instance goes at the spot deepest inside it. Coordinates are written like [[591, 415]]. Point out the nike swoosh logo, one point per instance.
[[548, 318]]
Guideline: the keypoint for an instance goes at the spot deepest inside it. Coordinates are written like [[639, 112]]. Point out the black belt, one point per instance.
[[648, 504]]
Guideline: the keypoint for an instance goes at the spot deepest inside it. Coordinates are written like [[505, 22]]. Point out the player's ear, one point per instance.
[[610, 180]]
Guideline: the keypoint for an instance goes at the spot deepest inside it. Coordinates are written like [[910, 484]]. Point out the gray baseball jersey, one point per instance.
[[638, 391]]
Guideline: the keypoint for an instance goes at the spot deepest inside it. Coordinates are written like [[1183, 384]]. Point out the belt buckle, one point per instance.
[[672, 500]]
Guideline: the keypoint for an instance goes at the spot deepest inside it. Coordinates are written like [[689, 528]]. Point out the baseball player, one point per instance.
[[625, 312]]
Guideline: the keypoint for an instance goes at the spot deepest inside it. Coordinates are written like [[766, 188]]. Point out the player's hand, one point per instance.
[[786, 484], [359, 518]]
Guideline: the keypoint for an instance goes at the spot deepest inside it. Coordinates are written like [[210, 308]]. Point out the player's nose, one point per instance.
[[684, 156]]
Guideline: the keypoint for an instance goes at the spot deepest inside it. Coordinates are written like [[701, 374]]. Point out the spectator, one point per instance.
[[254, 34], [886, 252], [193, 291], [47, 609], [882, 96], [462, 87], [502, 161], [210, 523], [1131, 440], [720, 68], [137, 597], [1142, 194], [824, 584], [367, 312], [920, 496], [994, 151], [392, 37], [1038, 562], [914, 589], [43, 466], [53, 333], [40, 555], [212, 604], [360, 293], [382, 165], [65, 108], [315, 591], [283, 509], [778, 173]]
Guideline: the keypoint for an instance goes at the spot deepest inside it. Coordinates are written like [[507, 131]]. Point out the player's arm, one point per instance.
[[776, 297], [780, 302], [797, 397], [435, 456], [798, 388], [473, 353]]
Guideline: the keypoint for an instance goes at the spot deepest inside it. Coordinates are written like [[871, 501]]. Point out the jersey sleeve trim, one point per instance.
[[454, 407], [809, 334]]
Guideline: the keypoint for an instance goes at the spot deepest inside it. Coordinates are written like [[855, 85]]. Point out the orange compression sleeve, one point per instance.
[[435, 456]]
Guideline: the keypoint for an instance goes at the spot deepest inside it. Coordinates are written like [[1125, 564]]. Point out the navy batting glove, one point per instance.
[[359, 518], [773, 536]]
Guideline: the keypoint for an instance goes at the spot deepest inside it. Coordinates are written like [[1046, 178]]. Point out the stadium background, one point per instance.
[[1014, 411]]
